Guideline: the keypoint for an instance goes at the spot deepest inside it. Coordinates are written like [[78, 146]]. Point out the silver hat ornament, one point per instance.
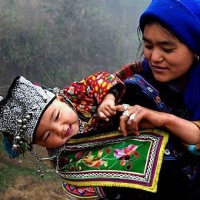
[[20, 113]]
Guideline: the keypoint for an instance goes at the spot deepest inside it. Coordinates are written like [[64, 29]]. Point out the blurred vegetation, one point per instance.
[[22, 166], [55, 42]]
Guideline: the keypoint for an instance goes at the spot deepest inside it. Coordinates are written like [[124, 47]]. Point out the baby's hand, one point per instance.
[[107, 108]]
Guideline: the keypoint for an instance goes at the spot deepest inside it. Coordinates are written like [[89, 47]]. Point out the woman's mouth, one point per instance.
[[158, 69]]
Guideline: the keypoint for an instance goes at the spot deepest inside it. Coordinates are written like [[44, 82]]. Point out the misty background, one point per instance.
[[55, 42]]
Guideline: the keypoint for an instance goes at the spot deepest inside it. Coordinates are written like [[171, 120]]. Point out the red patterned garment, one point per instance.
[[87, 94]]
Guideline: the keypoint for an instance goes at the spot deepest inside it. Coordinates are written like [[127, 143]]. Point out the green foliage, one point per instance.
[[57, 42], [11, 169], [10, 172]]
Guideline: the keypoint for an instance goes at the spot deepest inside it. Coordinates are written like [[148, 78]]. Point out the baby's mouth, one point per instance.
[[67, 132]]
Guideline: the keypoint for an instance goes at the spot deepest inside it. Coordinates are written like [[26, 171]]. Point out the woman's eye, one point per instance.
[[148, 47], [168, 50]]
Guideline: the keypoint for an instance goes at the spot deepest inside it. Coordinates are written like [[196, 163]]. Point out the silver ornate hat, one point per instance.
[[21, 110]]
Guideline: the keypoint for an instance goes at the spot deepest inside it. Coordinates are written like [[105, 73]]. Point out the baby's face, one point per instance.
[[58, 123]]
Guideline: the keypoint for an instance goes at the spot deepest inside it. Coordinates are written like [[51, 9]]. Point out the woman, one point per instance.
[[171, 47]]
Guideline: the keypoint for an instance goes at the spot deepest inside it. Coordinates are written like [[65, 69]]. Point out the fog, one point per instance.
[[55, 42]]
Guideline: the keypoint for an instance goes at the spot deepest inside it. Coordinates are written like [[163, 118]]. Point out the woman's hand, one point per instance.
[[138, 117]]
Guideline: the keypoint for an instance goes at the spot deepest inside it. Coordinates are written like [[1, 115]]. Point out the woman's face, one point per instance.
[[168, 58], [58, 123]]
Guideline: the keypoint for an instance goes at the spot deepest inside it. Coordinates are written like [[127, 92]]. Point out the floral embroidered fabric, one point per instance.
[[113, 160]]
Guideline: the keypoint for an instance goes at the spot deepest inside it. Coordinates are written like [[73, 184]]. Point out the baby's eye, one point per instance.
[[47, 136], [57, 116]]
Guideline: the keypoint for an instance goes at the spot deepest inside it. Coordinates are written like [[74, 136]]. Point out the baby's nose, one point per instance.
[[59, 131]]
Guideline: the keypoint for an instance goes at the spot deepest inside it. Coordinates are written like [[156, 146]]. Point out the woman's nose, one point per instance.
[[156, 56]]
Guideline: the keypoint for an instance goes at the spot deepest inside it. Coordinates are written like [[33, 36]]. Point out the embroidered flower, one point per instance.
[[125, 151]]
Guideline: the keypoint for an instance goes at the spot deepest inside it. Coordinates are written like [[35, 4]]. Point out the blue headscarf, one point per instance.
[[183, 18], [192, 94]]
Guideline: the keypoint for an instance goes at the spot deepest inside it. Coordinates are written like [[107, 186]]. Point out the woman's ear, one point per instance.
[[196, 58]]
